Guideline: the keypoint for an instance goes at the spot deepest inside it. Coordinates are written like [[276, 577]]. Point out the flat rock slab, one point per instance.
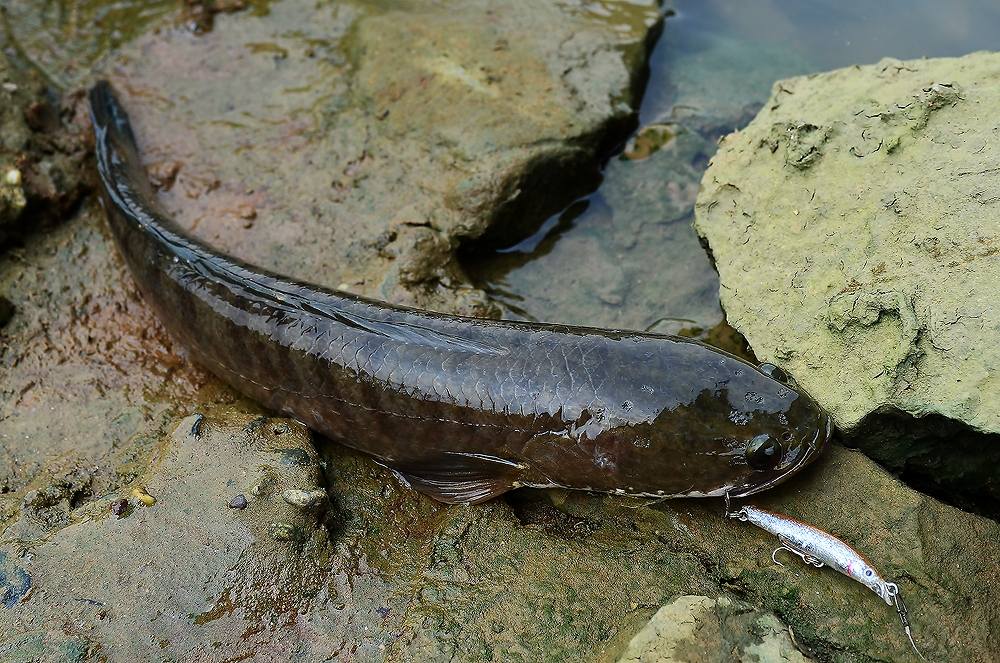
[[354, 145], [854, 227]]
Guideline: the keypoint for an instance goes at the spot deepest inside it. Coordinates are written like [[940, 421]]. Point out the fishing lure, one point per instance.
[[819, 549]]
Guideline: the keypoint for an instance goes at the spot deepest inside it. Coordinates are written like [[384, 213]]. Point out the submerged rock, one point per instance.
[[853, 224], [624, 257]]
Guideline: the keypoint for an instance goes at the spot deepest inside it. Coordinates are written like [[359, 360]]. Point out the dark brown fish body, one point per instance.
[[463, 408]]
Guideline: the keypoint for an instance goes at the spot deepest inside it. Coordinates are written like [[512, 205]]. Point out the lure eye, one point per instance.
[[772, 371], [763, 452]]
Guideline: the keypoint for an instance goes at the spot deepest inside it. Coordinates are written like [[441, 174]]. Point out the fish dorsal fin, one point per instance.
[[460, 478], [307, 300]]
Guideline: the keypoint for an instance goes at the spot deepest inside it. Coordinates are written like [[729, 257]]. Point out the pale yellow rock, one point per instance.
[[854, 226], [694, 629]]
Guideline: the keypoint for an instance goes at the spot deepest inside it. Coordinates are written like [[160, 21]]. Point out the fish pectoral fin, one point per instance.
[[460, 478]]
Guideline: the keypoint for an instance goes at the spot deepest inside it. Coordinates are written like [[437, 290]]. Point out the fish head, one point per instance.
[[784, 429], [688, 420]]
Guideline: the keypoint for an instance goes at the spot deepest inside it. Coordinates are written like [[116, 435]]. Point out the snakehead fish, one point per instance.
[[463, 409]]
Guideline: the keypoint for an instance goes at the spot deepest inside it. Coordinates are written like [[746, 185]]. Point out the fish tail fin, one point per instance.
[[118, 162], [116, 145], [111, 121]]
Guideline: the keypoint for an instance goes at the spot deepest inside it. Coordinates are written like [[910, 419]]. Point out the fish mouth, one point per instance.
[[815, 445]]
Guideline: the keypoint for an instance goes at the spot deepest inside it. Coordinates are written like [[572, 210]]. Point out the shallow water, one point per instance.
[[627, 255]]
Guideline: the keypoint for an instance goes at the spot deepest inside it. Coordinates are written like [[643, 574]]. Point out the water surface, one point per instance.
[[627, 255]]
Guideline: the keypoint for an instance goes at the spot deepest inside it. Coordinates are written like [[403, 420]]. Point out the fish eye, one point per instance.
[[763, 452], [868, 572], [772, 371]]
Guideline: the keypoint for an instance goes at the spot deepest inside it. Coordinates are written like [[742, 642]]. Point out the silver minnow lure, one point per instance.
[[819, 549]]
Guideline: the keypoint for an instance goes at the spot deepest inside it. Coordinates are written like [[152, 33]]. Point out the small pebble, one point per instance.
[[303, 498], [238, 502], [247, 213], [12, 177], [282, 531], [10, 87], [119, 507], [140, 494]]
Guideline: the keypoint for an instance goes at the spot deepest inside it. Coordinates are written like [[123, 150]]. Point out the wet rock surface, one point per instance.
[[43, 151], [135, 529], [133, 573], [384, 136], [382, 573], [90, 379], [853, 223]]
